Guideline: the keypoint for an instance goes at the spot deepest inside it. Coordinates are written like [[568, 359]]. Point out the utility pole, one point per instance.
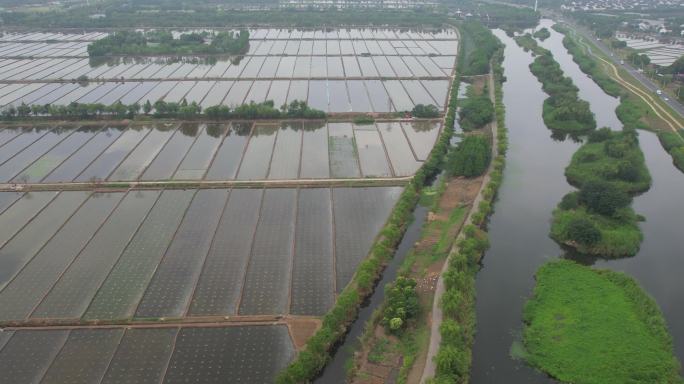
[[535, 5]]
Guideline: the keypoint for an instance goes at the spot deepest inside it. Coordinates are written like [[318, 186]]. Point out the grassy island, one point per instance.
[[610, 156], [563, 112], [597, 327], [598, 220]]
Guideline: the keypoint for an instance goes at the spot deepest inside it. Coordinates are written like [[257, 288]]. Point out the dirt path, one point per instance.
[[437, 315], [170, 184]]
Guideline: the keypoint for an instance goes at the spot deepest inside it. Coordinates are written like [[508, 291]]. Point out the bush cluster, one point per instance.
[[471, 157], [401, 304], [476, 111], [425, 111]]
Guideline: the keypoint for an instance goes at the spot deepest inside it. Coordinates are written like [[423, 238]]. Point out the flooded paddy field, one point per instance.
[[212, 151], [150, 254], [198, 285], [210, 354], [335, 70]]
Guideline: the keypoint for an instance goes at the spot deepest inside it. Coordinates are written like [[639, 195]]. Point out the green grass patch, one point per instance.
[[596, 326], [619, 236]]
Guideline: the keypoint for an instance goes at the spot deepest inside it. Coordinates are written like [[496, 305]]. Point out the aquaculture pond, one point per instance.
[[533, 185], [336, 71], [213, 151]]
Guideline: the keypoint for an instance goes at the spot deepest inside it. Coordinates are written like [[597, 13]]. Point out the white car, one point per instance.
[[659, 92]]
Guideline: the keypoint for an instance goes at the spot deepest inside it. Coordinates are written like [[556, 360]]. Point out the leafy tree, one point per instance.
[[147, 108], [583, 231], [475, 112], [425, 111], [603, 197], [402, 303], [470, 158]]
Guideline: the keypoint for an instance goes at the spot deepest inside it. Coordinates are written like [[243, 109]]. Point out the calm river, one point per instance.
[[533, 184]]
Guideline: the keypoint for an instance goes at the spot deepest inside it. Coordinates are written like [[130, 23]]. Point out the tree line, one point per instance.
[[184, 110]]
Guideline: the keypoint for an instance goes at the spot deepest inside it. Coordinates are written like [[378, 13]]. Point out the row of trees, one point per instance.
[[265, 110], [163, 43]]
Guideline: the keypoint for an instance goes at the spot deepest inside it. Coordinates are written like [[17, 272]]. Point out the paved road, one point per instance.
[[645, 81]]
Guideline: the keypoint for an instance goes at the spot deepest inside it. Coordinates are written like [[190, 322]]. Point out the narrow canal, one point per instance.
[[533, 184], [335, 372]]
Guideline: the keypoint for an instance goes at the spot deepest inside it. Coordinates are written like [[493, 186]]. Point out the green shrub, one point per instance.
[[603, 197], [583, 231], [470, 158], [401, 303], [476, 112], [425, 111]]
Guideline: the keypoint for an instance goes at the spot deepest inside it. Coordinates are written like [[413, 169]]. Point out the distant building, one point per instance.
[[346, 4]]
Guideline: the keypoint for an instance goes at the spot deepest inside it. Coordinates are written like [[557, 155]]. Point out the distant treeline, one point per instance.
[[127, 17], [163, 43], [183, 110]]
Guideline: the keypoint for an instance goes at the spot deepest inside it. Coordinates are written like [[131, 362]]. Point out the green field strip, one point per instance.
[[170, 290], [22, 247], [218, 288], [71, 294], [267, 279], [26, 290], [126, 283], [342, 151]]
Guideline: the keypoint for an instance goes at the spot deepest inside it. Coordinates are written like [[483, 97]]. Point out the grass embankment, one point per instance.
[[310, 361], [457, 330], [596, 326], [411, 339], [564, 113], [632, 111]]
